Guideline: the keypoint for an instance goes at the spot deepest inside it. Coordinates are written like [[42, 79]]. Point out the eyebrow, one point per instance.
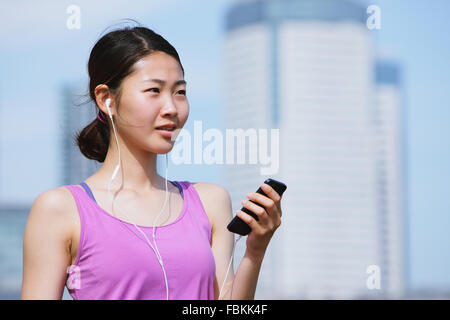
[[162, 82]]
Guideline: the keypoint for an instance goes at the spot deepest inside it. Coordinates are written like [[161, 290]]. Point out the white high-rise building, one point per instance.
[[306, 67], [390, 118]]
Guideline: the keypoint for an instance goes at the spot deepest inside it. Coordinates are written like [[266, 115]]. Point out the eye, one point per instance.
[[153, 89], [183, 92]]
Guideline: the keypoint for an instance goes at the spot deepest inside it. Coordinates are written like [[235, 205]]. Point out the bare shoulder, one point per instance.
[[216, 201], [56, 207], [46, 245], [211, 191], [58, 199]]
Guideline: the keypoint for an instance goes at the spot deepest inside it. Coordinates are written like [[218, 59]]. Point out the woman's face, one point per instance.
[[146, 104]]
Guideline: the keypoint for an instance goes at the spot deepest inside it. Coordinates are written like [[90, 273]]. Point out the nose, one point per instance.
[[169, 108]]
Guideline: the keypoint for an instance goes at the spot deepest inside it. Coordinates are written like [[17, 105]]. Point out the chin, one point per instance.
[[163, 149]]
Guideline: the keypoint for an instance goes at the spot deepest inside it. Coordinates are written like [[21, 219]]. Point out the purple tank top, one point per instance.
[[114, 261]]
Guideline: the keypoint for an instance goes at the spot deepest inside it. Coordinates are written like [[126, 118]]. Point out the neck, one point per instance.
[[137, 170]]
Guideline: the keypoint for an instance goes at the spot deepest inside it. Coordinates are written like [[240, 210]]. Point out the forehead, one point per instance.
[[157, 65]]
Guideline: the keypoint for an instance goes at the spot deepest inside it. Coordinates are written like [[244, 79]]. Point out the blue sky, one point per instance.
[[38, 54], [416, 34]]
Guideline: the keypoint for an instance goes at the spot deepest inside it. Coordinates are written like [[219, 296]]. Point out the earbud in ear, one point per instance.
[[108, 103]]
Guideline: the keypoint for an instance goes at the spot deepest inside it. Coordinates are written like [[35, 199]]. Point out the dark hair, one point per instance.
[[111, 60]]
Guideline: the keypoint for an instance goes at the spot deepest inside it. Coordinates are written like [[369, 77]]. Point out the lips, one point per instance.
[[167, 127]]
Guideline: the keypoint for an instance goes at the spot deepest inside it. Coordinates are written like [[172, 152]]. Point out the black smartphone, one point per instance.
[[237, 225]]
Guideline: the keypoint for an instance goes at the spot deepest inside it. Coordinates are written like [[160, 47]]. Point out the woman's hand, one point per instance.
[[269, 219]]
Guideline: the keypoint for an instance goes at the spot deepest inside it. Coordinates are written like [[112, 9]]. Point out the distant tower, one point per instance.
[[76, 167], [392, 177]]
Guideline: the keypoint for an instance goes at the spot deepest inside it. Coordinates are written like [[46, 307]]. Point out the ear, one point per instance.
[[108, 103], [102, 92]]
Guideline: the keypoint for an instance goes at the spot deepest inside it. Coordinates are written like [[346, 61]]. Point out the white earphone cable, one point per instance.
[[229, 265], [158, 255]]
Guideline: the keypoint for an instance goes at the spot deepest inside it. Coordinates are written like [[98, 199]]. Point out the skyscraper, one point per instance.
[[74, 117], [307, 67], [390, 117]]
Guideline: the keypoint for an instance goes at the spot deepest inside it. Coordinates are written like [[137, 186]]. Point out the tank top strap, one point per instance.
[[81, 200], [88, 190], [177, 184], [196, 208], [91, 195]]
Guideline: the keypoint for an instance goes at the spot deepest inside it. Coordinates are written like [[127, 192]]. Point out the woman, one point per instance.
[[116, 242]]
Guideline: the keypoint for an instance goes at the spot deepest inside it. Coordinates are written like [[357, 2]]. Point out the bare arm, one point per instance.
[[46, 247], [241, 286]]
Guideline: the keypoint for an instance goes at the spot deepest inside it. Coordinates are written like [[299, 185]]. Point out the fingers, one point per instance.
[[252, 223], [265, 221], [268, 226], [271, 202], [256, 209], [267, 203], [271, 193], [267, 209]]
